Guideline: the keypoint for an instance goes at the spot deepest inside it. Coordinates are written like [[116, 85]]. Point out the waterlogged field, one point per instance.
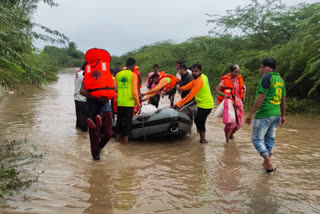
[[169, 176]]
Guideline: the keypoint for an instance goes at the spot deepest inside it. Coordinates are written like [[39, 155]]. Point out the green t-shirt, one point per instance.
[[271, 85]]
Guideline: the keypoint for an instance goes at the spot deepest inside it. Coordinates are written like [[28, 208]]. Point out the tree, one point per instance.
[[16, 36]]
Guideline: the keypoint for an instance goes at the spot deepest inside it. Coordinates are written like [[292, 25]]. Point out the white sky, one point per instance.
[[120, 26]]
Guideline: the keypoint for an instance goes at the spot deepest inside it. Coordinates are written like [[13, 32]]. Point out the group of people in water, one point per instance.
[[100, 91]]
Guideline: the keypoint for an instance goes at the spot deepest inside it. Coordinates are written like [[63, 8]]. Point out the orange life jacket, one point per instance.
[[171, 84], [136, 71], [98, 79], [229, 90]]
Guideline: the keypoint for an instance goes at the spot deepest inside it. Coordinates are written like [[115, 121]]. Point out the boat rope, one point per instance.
[[186, 106]]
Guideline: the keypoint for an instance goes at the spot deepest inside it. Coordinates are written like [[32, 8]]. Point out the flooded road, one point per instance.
[[179, 176]]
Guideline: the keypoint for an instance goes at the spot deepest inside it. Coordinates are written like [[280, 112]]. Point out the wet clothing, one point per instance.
[[77, 85], [80, 102], [124, 120], [231, 87], [82, 115], [126, 83], [95, 107], [200, 90], [238, 105], [267, 118], [201, 118], [271, 85], [263, 133], [100, 136]]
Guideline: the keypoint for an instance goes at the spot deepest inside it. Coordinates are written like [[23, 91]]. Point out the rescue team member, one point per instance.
[[80, 101], [200, 89], [98, 83], [163, 82], [269, 110], [101, 135], [232, 87], [186, 77], [150, 85], [126, 84], [136, 70]]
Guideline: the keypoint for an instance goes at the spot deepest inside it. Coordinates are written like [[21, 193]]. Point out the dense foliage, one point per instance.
[[19, 61], [245, 36], [65, 57]]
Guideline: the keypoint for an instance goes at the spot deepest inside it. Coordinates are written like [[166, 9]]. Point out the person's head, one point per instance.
[[268, 65], [182, 69], [178, 62], [118, 65], [234, 70], [196, 70], [155, 78], [84, 66], [155, 68], [131, 62]]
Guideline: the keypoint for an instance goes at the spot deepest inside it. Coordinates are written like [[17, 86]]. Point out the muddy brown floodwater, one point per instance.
[[173, 176]]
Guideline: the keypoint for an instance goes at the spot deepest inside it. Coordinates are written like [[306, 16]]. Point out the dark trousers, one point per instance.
[[154, 100], [100, 136], [95, 107], [201, 118], [82, 115], [124, 120]]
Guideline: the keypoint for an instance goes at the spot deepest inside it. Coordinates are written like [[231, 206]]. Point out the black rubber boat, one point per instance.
[[163, 122]]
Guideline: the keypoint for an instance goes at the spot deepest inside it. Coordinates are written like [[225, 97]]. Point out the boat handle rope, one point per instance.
[[186, 106]]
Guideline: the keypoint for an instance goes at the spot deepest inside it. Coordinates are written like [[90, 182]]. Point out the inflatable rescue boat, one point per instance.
[[163, 122]]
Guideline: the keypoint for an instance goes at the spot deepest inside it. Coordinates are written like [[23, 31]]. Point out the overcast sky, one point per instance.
[[120, 26]]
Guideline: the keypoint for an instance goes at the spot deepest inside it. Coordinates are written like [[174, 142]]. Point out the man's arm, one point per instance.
[[171, 91], [85, 93], [139, 80], [135, 89], [197, 86], [188, 86], [259, 101], [163, 82]]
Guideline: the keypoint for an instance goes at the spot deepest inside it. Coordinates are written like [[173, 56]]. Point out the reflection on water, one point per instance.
[[173, 176]]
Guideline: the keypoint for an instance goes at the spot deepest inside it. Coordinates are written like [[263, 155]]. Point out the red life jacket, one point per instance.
[[171, 84], [98, 79], [228, 88]]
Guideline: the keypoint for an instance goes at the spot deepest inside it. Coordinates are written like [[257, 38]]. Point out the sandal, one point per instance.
[[268, 171]]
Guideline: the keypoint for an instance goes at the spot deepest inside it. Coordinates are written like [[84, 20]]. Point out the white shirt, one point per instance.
[[77, 85]]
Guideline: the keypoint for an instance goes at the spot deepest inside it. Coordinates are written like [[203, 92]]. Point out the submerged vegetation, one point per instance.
[[13, 156]]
